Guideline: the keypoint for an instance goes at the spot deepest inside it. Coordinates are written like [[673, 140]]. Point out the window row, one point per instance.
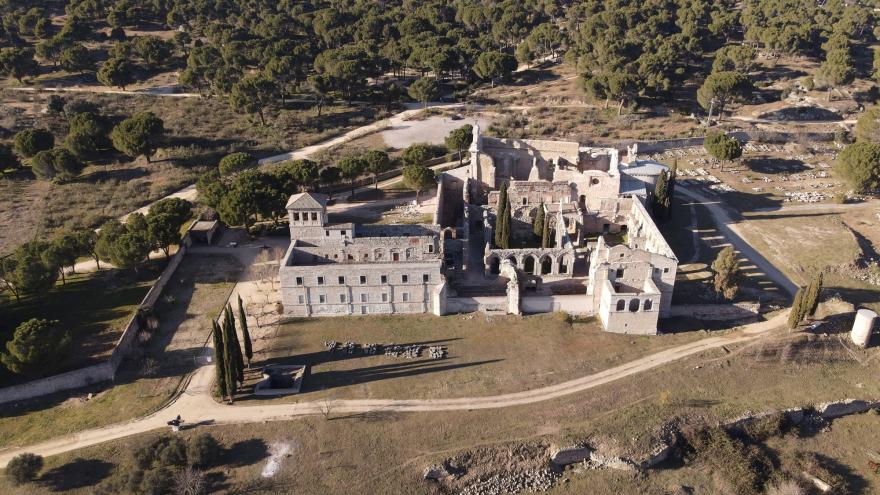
[[364, 298], [634, 305], [383, 279], [305, 216]]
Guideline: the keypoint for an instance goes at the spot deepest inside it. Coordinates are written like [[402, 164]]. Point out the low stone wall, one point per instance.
[[105, 371], [744, 136], [718, 312], [581, 305], [472, 304]]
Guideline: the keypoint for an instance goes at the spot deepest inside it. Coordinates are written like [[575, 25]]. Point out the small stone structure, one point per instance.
[[280, 380], [862, 327]]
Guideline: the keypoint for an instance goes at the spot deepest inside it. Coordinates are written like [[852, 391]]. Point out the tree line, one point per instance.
[[89, 134]]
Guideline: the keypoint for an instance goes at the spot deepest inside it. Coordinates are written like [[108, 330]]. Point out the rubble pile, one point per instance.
[[396, 350], [805, 197], [533, 481]]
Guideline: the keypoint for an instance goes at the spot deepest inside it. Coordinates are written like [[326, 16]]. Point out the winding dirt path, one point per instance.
[[196, 404]]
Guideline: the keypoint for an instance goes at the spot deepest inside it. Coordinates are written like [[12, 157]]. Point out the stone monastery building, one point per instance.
[[605, 255]]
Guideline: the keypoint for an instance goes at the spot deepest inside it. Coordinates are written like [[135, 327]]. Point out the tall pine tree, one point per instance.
[[219, 359], [545, 234], [242, 319], [505, 227]]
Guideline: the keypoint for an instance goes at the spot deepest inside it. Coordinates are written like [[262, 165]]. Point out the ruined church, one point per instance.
[[601, 254]]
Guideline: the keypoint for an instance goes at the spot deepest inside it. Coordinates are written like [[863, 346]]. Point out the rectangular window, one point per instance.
[[341, 280], [666, 270], [296, 216], [405, 296], [363, 310], [426, 278], [384, 297], [342, 298], [314, 216], [322, 298], [384, 279], [430, 248], [326, 233], [342, 232], [320, 280], [299, 280], [619, 272], [404, 279], [363, 298], [301, 299], [363, 279]]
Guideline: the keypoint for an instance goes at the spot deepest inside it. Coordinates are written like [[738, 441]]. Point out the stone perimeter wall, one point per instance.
[[105, 371]]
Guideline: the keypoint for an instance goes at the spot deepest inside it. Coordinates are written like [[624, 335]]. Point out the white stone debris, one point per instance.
[[532, 481], [277, 452]]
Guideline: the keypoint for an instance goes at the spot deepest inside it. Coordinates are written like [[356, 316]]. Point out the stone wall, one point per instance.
[[105, 371], [718, 312], [581, 305]]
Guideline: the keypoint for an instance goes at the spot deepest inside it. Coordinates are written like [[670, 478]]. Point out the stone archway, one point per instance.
[[529, 264], [563, 264], [546, 265], [495, 265]]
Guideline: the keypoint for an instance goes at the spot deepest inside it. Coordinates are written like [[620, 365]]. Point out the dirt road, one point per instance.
[[195, 404]]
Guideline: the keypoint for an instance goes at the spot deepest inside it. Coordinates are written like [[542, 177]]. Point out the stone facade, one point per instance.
[[344, 269], [605, 256]]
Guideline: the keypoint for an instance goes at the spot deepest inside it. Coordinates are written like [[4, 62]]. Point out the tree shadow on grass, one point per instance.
[[78, 473], [244, 453]]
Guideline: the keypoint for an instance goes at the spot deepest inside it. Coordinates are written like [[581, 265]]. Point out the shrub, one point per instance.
[[157, 482], [163, 451], [203, 450], [29, 142], [23, 468], [741, 468]]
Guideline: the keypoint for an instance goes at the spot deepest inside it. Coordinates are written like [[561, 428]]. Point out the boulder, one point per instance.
[[830, 410], [436, 472], [570, 455]]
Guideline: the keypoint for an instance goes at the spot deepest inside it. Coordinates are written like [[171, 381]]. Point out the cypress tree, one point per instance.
[[505, 230], [545, 234], [503, 205], [814, 289], [229, 361], [796, 313], [538, 223], [248, 347], [219, 360], [236, 354]]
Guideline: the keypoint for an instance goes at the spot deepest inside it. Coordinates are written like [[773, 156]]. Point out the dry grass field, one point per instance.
[[386, 453], [487, 355], [199, 131]]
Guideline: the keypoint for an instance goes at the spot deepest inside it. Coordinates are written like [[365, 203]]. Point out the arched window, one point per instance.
[[634, 305], [494, 265], [546, 265], [621, 305], [648, 305], [529, 264]]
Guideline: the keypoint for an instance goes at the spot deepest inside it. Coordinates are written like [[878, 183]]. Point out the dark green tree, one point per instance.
[[24, 468], [868, 126], [812, 294], [219, 359], [330, 176], [722, 147], [138, 135], [720, 88], [796, 313], [245, 334], [77, 58], [253, 94], [460, 139], [377, 163], [18, 62], [859, 165], [538, 222], [116, 72], [36, 347], [27, 271], [493, 65], [124, 245], [56, 163], [417, 154], [8, 160], [501, 237], [236, 162], [29, 142], [418, 178], [87, 134], [726, 273], [423, 90], [352, 167]]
